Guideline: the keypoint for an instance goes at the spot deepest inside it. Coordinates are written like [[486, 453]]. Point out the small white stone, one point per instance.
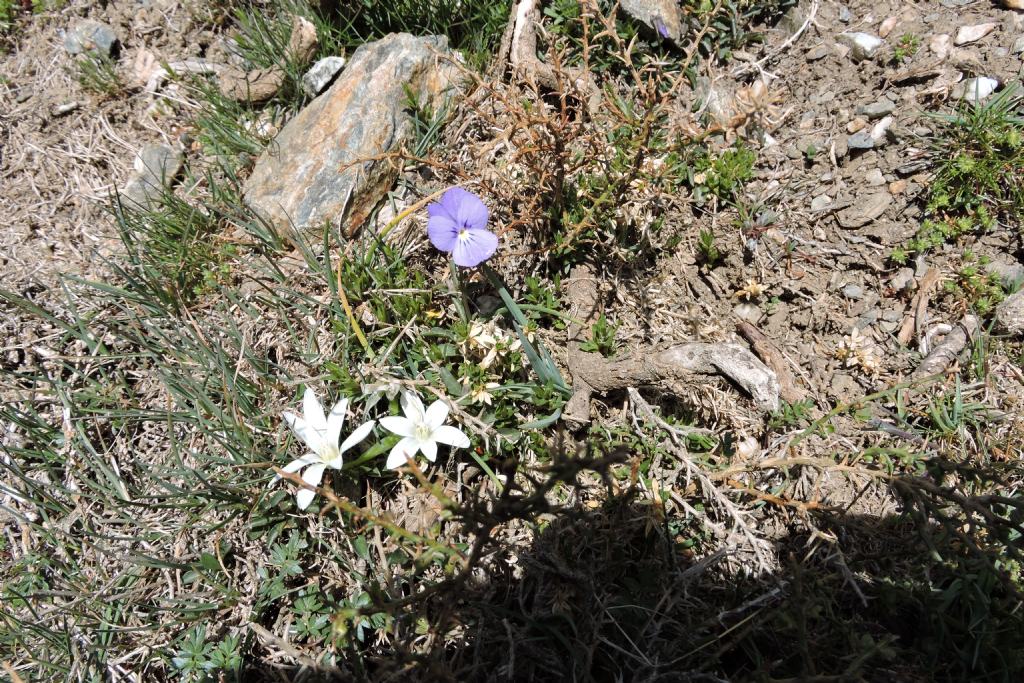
[[880, 129], [977, 89], [970, 34], [940, 44], [862, 45]]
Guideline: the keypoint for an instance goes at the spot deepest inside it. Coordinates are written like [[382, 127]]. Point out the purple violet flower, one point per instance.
[[458, 224], [662, 28]]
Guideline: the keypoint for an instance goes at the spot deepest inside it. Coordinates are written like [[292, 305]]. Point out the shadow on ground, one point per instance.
[[615, 594]]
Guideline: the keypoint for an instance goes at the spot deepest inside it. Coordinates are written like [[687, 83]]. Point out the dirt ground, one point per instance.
[[810, 268], [59, 169]]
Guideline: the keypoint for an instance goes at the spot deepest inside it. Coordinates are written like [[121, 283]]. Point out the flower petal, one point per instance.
[[401, 452], [473, 247], [442, 207], [303, 497], [313, 412], [314, 474], [335, 421], [360, 433], [311, 437], [397, 424], [436, 414], [412, 406], [429, 449], [451, 436], [295, 466], [443, 232], [466, 208]]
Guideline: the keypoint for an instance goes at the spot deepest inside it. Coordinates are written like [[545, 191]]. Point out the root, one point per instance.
[[669, 369]]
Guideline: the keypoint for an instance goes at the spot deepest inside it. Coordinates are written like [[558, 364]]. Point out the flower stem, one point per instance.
[[356, 329]]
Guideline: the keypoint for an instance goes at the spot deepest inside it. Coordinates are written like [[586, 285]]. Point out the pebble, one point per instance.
[[970, 34], [877, 110], [874, 178], [845, 15], [861, 140], [852, 291], [1018, 46], [64, 109], [862, 45], [898, 186], [892, 315], [817, 53], [887, 26], [903, 280], [820, 202], [865, 209], [940, 44], [881, 131], [856, 125], [975, 89], [321, 75], [749, 312], [156, 167], [88, 35]]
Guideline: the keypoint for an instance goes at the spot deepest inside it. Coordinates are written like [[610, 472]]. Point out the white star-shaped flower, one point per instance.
[[421, 430], [320, 433]]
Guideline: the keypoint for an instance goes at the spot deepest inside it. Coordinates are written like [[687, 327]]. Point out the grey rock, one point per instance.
[[861, 140], [91, 36], [156, 167], [814, 54], [882, 107], [853, 291], [1010, 313], [892, 315], [748, 312], [903, 280], [868, 318], [664, 17], [1009, 274], [1018, 46], [325, 165], [321, 75], [845, 15], [865, 209], [717, 104], [862, 45], [874, 178], [821, 202]]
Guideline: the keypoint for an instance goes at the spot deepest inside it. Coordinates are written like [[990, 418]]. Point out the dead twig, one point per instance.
[[914, 322], [768, 352]]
